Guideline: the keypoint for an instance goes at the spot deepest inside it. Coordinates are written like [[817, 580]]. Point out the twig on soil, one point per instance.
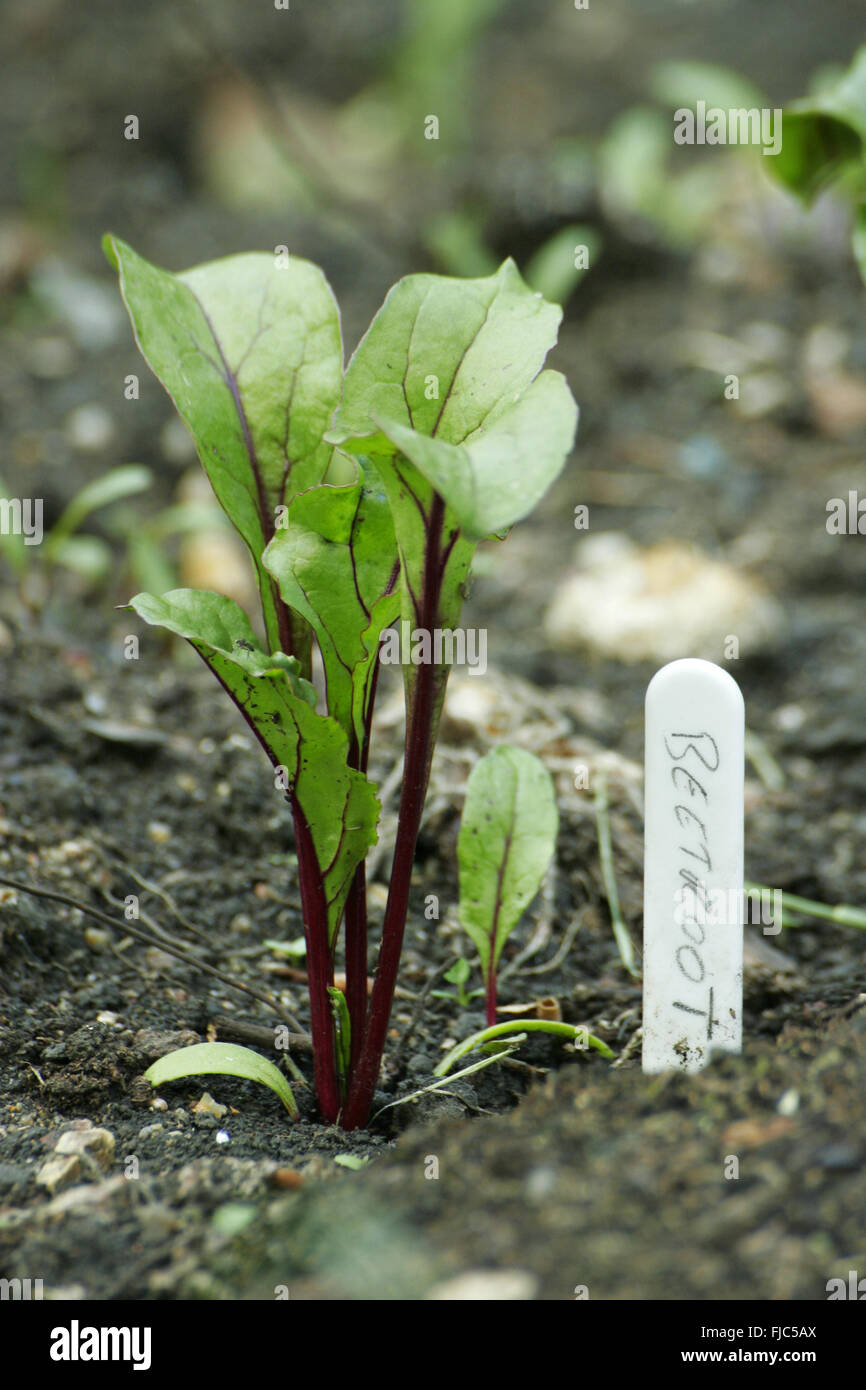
[[559, 957], [444, 1082], [148, 940], [417, 1012], [159, 932], [763, 762], [608, 874], [543, 927], [239, 1030], [154, 888], [631, 1047]]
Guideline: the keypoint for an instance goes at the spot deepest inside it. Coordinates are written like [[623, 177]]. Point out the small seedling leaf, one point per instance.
[[354, 1161], [506, 842], [516, 1031], [113, 486], [222, 1059]]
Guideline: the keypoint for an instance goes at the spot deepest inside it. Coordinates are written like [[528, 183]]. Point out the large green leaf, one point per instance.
[[486, 481], [506, 842], [336, 564], [250, 352], [444, 356], [222, 1059], [824, 135], [339, 804], [442, 394]]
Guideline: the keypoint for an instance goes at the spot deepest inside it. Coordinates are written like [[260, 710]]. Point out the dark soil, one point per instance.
[[126, 777]]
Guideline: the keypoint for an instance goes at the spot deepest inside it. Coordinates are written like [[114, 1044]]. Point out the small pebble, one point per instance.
[[51, 358], [208, 1106], [89, 429], [91, 1144], [540, 1183], [843, 1158], [287, 1178], [486, 1285], [59, 1172], [149, 1130], [789, 1103]]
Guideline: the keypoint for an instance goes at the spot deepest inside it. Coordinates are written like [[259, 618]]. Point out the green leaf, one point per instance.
[[639, 179], [222, 1059], [88, 556], [476, 343], [552, 271], [859, 238], [520, 1027], [444, 364], [117, 483], [251, 355], [506, 842], [296, 949], [339, 804], [233, 1217], [824, 135], [12, 545], [336, 564], [459, 972], [486, 482], [677, 83], [343, 1030]]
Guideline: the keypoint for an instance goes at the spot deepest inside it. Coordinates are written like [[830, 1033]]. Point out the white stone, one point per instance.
[[693, 869], [670, 600], [486, 1286]]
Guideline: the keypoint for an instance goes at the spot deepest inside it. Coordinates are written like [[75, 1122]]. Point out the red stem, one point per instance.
[[416, 772], [490, 999], [356, 902], [356, 959], [319, 969]]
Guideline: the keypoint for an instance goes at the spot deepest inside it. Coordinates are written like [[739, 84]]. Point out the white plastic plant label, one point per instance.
[[693, 871]]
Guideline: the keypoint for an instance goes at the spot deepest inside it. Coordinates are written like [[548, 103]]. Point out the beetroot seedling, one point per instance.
[[454, 432]]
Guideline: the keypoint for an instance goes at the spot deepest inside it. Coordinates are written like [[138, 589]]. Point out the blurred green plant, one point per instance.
[[144, 540], [433, 64], [456, 241], [637, 174], [63, 546], [824, 143]]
